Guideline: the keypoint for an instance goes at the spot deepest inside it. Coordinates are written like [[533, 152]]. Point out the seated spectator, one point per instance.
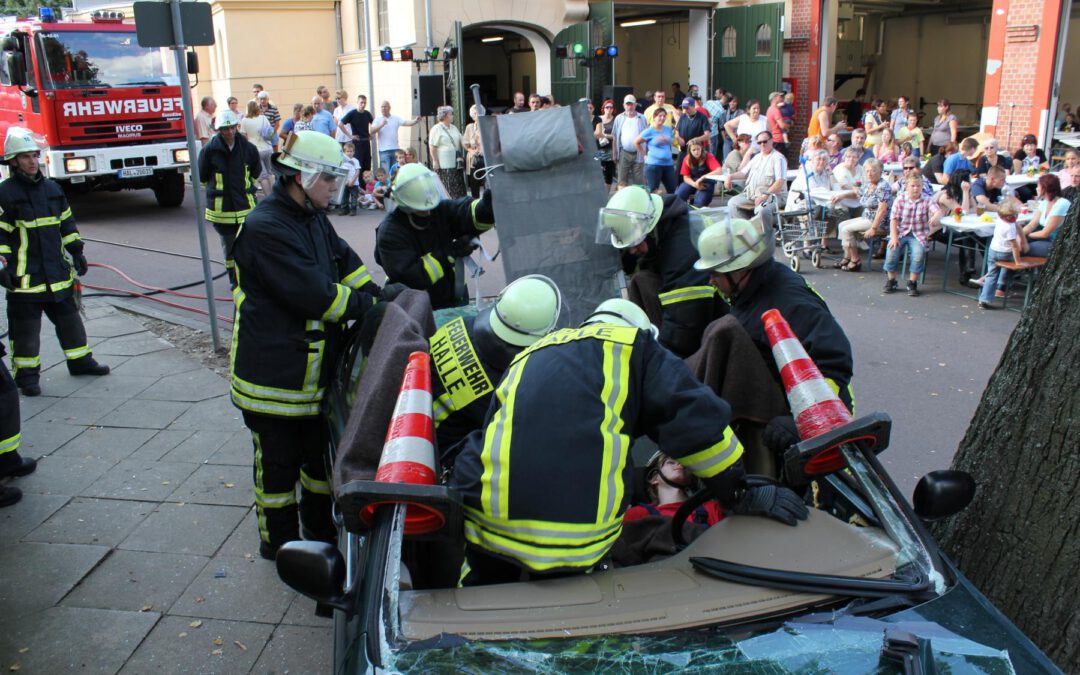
[[766, 180], [986, 190], [962, 159], [934, 170], [849, 174], [909, 228], [992, 156], [858, 140], [887, 151], [810, 145], [1029, 158], [1072, 192], [875, 120], [695, 188], [912, 133], [814, 176], [669, 484], [835, 147], [381, 187], [735, 158], [910, 166], [956, 195], [1069, 125], [1046, 219], [875, 198], [1072, 159], [906, 151], [1004, 245]]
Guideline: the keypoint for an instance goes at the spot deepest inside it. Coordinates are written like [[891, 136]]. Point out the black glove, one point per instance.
[[462, 247], [484, 211], [7, 280], [780, 434], [391, 291], [778, 503], [81, 266]]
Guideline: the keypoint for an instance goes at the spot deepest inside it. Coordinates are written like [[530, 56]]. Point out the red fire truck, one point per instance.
[[109, 111]]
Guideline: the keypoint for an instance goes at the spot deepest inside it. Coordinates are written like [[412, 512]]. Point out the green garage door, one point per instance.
[[747, 51]]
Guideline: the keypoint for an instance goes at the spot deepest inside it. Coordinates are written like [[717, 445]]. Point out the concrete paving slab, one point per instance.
[[198, 447], [302, 613], [297, 649], [238, 450], [250, 590], [31, 511], [136, 344], [112, 325], [72, 639], [56, 381], [139, 480], [62, 475], [244, 540], [161, 443], [36, 575], [193, 386], [160, 364], [218, 414], [116, 385], [32, 405], [103, 522], [196, 529], [175, 647], [79, 410], [144, 414], [41, 438], [217, 484], [109, 443], [136, 581]]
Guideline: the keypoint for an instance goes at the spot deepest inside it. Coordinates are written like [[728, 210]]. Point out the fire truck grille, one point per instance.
[[125, 128]]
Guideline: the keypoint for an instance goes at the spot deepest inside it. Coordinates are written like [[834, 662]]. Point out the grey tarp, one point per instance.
[[546, 219]]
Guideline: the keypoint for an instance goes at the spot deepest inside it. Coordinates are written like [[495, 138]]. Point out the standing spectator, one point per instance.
[[694, 187], [256, 89], [519, 103], [444, 146], [692, 126], [342, 135], [288, 125], [655, 144], [604, 140], [357, 124], [752, 123], [875, 121], [644, 103], [352, 180], [385, 129], [854, 110], [714, 108], [660, 103], [909, 227], [1004, 245], [774, 118], [323, 120], [204, 119], [692, 92], [534, 102], [270, 112], [254, 127], [677, 93], [911, 133], [474, 152], [234, 105], [766, 179], [306, 115], [945, 127], [323, 93], [733, 112], [821, 121], [898, 119], [629, 124]]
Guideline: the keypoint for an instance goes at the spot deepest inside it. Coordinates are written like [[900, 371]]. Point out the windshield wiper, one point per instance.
[[806, 582], [160, 83]]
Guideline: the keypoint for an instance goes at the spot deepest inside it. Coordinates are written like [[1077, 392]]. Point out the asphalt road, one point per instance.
[[925, 361]]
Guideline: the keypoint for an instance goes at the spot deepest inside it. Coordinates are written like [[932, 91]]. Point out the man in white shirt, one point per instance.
[[628, 125], [342, 109], [204, 119], [766, 179], [385, 129]]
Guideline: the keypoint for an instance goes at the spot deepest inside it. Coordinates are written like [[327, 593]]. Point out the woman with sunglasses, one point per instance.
[[602, 127]]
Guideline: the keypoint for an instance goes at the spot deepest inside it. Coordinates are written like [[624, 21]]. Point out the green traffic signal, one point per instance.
[[579, 48]]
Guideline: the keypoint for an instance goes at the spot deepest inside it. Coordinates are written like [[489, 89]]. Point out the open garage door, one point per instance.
[[747, 50]]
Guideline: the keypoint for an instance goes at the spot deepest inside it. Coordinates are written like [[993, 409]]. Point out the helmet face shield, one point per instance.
[[417, 189], [623, 229], [323, 185]]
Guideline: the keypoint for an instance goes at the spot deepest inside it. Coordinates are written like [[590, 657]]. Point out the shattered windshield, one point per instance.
[[75, 59]]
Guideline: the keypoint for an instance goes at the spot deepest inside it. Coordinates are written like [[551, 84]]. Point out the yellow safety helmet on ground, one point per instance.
[[417, 188], [228, 118], [621, 313], [729, 246], [526, 310], [630, 215], [18, 141]]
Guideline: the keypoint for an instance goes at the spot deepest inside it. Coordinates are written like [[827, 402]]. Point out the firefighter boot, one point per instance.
[[9, 495], [316, 522], [72, 335], [12, 464], [25, 325]]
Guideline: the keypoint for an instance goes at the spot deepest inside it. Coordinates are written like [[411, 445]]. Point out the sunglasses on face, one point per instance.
[[762, 141]]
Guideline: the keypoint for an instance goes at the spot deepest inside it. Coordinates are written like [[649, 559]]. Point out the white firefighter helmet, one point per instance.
[[228, 118], [417, 188], [630, 215], [733, 245], [526, 310], [18, 141], [621, 313]]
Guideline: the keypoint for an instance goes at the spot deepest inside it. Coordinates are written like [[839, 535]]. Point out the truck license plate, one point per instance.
[[136, 172]]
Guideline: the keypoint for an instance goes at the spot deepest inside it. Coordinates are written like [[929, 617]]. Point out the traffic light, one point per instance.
[[579, 49], [561, 52], [431, 53], [406, 54], [386, 54], [612, 51], [450, 54], [601, 51]]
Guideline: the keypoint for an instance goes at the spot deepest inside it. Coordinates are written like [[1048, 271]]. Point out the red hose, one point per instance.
[[153, 288]]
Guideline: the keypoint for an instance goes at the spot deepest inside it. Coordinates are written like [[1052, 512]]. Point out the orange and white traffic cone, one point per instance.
[[408, 454]]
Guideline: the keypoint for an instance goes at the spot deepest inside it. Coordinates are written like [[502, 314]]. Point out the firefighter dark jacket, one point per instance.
[[689, 303], [229, 177], [38, 238], [773, 285], [298, 282], [416, 251], [546, 481]]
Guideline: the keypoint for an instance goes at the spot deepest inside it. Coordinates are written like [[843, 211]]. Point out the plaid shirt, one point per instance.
[[912, 217]]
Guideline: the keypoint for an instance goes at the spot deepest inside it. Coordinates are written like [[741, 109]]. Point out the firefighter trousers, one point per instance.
[[24, 324], [9, 414], [228, 236], [289, 450]]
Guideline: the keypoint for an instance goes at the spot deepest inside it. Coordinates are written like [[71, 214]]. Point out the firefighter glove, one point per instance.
[[484, 211], [774, 501], [462, 247], [780, 434], [391, 291], [81, 266]]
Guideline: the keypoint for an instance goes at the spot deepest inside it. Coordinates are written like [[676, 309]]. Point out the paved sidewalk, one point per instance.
[[135, 548]]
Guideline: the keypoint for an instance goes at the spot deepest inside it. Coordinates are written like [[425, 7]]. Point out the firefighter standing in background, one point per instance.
[[297, 285], [229, 168], [43, 251], [421, 241], [653, 233], [544, 483]]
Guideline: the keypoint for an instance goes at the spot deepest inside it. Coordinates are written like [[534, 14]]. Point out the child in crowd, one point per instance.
[[399, 161], [1004, 245], [909, 228], [905, 151], [352, 180], [367, 187], [305, 119], [382, 184]]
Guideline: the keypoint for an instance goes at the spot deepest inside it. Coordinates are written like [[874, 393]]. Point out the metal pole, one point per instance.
[[193, 156], [370, 84]]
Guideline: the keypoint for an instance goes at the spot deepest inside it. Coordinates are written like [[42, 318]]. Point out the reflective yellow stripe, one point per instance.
[[319, 487], [836, 390], [65, 214], [337, 308], [274, 500], [687, 293], [541, 558], [74, 236], [314, 359], [4, 248], [616, 443], [44, 221], [6, 226], [715, 458], [77, 353], [480, 227], [358, 278], [25, 361], [20, 266], [432, 267], [495, 456], [25, 286], [276, 394], [10, 444], [219, 200], [273, 407], [249, 186], [226, 217], [442, 408]]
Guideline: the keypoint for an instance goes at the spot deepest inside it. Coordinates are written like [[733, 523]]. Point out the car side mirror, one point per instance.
[[943, 493], [315, 569], [16, 67]]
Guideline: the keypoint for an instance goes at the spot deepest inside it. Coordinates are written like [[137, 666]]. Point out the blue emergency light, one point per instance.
[[612, 51], [386, 54], [47, 15]]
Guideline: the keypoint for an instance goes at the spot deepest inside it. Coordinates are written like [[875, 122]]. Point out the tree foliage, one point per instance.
[[29, 8], [1019, 540]]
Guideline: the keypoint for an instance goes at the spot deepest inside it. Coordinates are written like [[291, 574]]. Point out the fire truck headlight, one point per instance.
[[181, 156], [76, 165]]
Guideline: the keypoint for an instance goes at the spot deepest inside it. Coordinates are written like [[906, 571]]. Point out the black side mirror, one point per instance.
[[192, 63], [10, 43], [940, 494], [315, 569], [16, 67]]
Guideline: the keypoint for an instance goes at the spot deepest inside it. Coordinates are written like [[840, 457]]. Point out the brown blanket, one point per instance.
[[406, 326], [647, 539]]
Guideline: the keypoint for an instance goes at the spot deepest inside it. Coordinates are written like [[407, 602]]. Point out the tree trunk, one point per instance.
[[1019, 540]]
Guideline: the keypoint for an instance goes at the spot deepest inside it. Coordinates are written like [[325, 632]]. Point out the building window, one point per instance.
[[727, 42], [569, 68], [384, 22], [764, 40], [361, 25]]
